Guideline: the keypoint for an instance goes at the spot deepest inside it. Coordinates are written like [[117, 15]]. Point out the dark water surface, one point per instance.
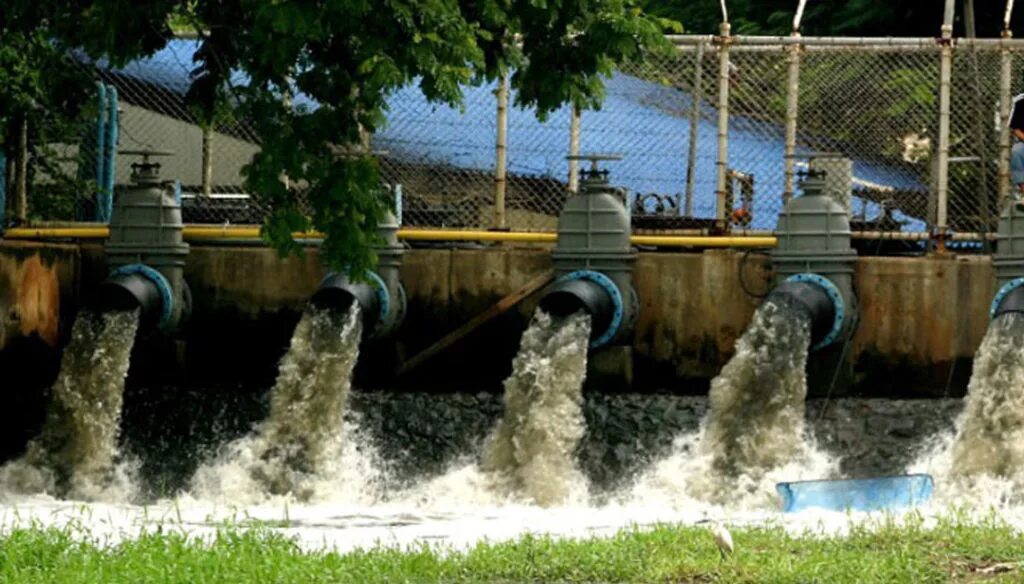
[[171, 429]]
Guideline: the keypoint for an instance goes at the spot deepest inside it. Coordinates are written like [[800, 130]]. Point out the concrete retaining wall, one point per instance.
[[922, 318]]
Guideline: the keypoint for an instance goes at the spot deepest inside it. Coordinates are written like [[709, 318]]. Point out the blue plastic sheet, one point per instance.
[[874, 494]]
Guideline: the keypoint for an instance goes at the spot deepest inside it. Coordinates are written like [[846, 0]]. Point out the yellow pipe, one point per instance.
[[56, 233], [702, 241], [233, 232], [210, 232], [456, 235]]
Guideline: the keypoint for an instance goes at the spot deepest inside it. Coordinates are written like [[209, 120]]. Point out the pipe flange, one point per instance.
[[383, 296], [1001, 295], [385, 327], [837, 303], [608, 286], [161, 283]]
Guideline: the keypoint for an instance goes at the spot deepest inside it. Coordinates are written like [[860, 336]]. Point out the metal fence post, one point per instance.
[[792, 103], [691, 158], [723, 126], [945, 75], [500, 154], [574, 150]]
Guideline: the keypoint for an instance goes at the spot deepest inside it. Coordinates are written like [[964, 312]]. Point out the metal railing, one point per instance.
[[713, 136]]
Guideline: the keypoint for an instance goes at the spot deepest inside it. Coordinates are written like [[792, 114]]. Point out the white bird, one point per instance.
[[723, 539]]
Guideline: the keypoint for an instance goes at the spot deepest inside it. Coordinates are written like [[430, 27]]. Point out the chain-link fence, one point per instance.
[[871, 105]]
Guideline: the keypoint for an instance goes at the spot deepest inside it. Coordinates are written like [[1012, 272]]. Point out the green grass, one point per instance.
[[954, 549]]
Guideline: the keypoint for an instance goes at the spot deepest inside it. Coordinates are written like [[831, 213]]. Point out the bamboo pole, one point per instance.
[[722, 162], [691, 156], [574, 150], [500, 155], [945, 75], [21, 176], [792, 105], [207, 160]]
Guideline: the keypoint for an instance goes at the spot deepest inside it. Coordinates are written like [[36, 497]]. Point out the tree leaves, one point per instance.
[[345, 57]]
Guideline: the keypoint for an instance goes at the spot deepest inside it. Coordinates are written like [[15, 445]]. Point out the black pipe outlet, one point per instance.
[[130, 292], [571, 296], [813, 301], [337, 292], [1012, 302]]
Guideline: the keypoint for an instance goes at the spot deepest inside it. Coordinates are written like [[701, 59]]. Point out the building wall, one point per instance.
[[145, 129]]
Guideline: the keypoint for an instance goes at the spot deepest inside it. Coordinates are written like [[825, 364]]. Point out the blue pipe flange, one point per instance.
[[1003, 293], [161, 283], [837, 303], [383, 296], [608, 286]]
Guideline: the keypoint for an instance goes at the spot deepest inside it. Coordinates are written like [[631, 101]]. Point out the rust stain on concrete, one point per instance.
[[37, 301]]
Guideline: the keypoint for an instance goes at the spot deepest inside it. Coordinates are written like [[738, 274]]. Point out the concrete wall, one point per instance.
[[38, 284], [922, 318]]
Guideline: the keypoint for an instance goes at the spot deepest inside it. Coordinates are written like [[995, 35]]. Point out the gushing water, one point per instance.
[[990, 435], [76, 453], [984, 458], [531, 451], [304, 448], [753, 434]]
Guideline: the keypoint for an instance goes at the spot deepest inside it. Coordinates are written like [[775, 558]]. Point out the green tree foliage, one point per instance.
[[40, 88], [347, 56]]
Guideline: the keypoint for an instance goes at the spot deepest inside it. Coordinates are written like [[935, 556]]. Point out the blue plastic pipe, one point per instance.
[[101, 131], [105, 205]]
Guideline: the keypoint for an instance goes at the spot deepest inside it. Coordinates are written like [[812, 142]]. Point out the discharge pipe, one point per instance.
[[146, 251], [137, 286], [1008, 261], [815, 262], [591, 292], [380, 296], [1009, 299], [593, 258], [820, 300], [338, 292]]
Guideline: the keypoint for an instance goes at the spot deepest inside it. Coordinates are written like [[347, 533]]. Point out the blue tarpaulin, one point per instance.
[[873, 494]]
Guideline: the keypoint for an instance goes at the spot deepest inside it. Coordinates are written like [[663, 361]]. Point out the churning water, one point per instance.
[[313, 473], [985, 454], [532, 449], [753, 434], [529, 456], [305, 448], [76, 453], [990, 437]]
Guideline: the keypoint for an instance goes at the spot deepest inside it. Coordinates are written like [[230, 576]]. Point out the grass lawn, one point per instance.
[[904, 550]]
